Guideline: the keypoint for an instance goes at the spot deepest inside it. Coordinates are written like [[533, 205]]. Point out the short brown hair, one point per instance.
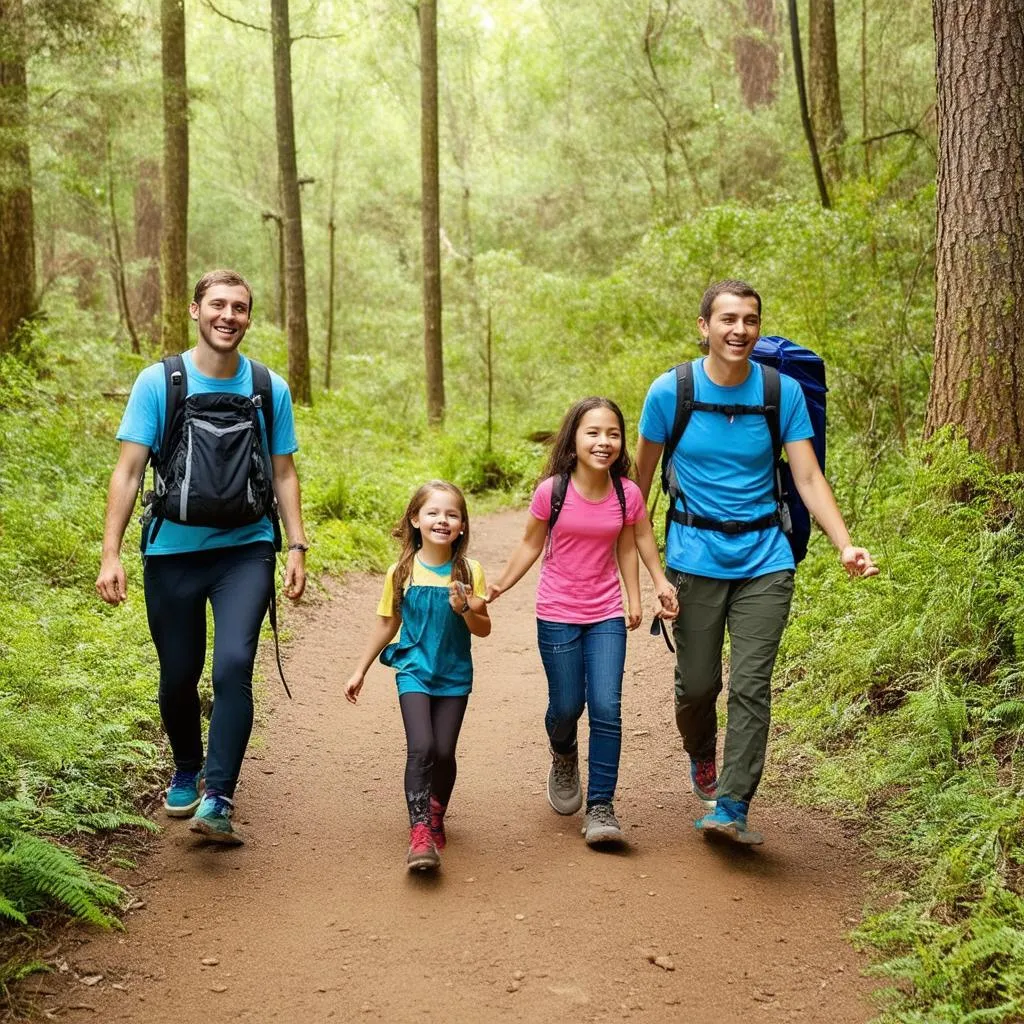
[[730, 287], [212, 277]]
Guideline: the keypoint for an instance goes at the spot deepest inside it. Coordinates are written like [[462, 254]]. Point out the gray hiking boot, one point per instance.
[[601, 826], [564, 793]]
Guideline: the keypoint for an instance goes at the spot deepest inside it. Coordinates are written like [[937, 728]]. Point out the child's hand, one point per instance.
[[353, 686], [494, 592], [458, 596], [634, 616], [669, 602]]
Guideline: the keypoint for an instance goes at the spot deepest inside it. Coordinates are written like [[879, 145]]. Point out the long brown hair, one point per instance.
[[412, 540], [563, 451]]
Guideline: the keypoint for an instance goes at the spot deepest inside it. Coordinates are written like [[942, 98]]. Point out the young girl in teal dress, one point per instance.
[[435, 595]]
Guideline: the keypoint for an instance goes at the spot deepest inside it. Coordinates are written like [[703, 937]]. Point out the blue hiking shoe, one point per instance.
[[729, 820], [182, 795], [213, 820], [704, 782]]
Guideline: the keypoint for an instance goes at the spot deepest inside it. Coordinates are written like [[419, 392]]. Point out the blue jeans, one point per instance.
[[584, 666]]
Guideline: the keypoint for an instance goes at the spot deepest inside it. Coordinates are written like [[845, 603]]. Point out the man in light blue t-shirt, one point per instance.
[[740, 580], [187, 565]]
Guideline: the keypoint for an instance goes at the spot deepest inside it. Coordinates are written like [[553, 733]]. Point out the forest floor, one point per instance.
[[315, 919]]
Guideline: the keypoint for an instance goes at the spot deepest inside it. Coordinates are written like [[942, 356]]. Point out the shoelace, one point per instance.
[[565, 773], [421, 838], [603, 814], [180, 778]]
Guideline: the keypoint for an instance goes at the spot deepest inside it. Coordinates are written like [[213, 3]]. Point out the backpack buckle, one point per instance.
[[732, 527], [257, 400]]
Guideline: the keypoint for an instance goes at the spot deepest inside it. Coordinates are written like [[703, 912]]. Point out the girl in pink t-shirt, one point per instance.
[[581, 631]]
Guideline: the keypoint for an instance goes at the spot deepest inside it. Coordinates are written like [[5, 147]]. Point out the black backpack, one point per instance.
[[212, 468], [560, 488], [790, 515]]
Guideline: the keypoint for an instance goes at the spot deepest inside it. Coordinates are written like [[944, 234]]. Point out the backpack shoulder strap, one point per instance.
[[176, 391], [620, 494], [772, 403], [559, 489], [772, 414], [684, 410], [263, 389]]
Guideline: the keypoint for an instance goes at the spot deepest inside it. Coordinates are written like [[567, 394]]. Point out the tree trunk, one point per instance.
[[978, 379], [801, 91], [148, 221], [17, 241], [431, 212], [756, 51], [823, 84], [331, 268], [174, 232], [291, 208]]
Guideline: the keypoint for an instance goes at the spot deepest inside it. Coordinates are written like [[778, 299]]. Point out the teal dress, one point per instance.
[[432, 654]]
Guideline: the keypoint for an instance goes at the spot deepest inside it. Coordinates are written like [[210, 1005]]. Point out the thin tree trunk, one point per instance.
[[864, 87], [978, 378], [330, 301], [756, 52], [805, 118], [17, 241], [431, 212], [174, 234], [117, 257], [148, 220], [291, 208], [823, 84]]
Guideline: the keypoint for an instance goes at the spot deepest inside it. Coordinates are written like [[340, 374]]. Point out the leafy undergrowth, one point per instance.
[[901, 704]]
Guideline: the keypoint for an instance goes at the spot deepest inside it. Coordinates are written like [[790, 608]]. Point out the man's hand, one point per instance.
[[295, 575], [857, 561], [668, 602], [112, 583]]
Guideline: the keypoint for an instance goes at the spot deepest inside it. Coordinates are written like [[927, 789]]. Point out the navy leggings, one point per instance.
[[238, 583]]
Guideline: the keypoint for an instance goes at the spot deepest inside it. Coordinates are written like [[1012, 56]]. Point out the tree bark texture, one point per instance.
[[291, 208], [978, 378], [174, 229], [823, 84], [756, 52], [17, 241], [148, 223], [431, 211]]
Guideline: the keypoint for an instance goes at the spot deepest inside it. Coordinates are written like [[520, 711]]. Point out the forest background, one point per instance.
[[600, 163]]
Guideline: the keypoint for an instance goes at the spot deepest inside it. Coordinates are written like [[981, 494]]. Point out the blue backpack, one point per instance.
[[776, 355]]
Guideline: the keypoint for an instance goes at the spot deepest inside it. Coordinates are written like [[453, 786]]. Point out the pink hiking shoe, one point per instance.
[[437, 823], [422, 851]]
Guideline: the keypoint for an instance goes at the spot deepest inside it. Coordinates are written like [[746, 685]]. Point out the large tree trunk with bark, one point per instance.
[[756, 51], [148, 221], [431, 211], [291, 208], [978, 378], [823, 84], [174, 234], [17, 241]]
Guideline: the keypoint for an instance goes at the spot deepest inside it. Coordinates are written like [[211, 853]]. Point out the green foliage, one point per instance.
[[907, 692]]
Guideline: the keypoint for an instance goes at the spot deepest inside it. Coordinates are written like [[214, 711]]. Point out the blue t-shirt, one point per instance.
[[725, 471], [143, 423]]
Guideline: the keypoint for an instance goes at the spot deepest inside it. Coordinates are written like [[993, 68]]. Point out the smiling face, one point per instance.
[[222, 316], [598, 439], [731, 330], [439, 519]]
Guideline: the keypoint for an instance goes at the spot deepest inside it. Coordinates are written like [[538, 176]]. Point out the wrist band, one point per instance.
[[298, 547]]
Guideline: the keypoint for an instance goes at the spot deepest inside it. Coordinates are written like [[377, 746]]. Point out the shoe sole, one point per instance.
[[740, 836], [605, 837], [424, 862], [184, 811], [227, 838], [567, 807]]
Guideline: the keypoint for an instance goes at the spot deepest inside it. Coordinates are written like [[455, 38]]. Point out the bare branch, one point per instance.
[[234, 21]]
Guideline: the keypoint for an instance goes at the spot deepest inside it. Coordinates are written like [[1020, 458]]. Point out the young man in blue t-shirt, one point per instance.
[[187, 565], [740, 581]]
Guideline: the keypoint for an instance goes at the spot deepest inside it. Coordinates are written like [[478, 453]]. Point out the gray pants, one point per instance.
[[755, 612]]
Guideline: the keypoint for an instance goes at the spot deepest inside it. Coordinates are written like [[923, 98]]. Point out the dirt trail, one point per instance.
[[315, 918]]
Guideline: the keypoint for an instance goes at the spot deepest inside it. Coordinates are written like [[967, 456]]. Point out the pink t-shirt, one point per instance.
[[579, 578]]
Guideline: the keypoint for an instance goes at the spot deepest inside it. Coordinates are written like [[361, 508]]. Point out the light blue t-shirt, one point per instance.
[[143, 423], [725, 472]]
